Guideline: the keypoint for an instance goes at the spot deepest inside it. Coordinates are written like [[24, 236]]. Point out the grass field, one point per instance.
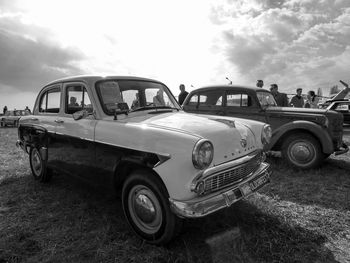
[[302, 216]]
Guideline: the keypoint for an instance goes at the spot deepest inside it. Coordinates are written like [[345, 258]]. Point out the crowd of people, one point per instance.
[[297, 100], [4, 110]]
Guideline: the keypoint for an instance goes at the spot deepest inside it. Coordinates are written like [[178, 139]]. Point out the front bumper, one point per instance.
[[205, 205], [343, 149]]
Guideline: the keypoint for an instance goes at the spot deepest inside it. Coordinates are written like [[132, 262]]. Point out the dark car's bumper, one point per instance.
[[202, 206]]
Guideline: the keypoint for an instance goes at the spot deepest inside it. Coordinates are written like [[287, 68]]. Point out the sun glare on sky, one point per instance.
[[293, 43]]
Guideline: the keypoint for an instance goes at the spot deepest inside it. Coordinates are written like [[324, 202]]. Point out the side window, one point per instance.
[[193, 101], [50, 101], [238, 100], [77, 99], [210, 98]]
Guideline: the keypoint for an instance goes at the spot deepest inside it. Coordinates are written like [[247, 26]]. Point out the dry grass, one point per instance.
[[300, 217]]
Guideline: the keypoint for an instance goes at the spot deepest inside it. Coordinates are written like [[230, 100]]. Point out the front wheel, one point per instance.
[[38, 166], [147, 209], [302, 150]]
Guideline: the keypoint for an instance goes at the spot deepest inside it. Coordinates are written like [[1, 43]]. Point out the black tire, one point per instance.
[[302, 150], [38, 166], [15, 124], [2, 123], [143, 192]]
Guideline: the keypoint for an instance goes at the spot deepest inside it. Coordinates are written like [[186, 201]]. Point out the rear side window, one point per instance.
[[210, 98], [50, 101], [193, 101]]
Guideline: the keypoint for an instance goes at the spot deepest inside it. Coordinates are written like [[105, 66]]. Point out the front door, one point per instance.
[[76, 137]]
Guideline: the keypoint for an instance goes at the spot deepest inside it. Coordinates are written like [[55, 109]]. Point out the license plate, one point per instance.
[[254, 185]]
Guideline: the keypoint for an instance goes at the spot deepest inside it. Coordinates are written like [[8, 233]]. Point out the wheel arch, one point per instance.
[[281, 133], [126, 166]]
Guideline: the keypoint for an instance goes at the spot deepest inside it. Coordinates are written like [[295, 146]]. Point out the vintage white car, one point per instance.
[[130, 132]]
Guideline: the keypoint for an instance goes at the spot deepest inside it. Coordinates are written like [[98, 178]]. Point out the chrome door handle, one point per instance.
[[59, 121]]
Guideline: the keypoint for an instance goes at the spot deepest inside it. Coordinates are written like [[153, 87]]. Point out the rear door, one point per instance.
[[47, 111], [206, 102], [75, 138]]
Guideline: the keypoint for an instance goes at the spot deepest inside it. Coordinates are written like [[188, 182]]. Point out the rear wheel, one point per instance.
[[38, 166], [302, 150], [147, 209]]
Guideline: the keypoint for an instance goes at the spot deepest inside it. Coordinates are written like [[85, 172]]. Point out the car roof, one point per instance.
[[87, 78], [228, 87]]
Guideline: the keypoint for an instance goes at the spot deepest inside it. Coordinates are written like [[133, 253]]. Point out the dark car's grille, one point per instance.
[[235, 175]]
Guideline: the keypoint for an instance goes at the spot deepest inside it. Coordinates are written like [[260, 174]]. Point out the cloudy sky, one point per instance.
[[294, 43]]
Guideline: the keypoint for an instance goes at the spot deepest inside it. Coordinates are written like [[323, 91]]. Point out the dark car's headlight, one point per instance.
[[202, 154], [266, 134]]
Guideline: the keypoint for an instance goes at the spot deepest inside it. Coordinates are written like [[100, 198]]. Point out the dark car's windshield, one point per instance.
[[137, 94], [266, 99]]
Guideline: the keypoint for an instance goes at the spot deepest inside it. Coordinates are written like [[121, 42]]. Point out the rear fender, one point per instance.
[[34, 136]]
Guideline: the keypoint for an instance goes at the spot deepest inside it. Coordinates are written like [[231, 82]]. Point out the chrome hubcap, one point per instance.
[[302, 152], [36, 162], [145, 209]]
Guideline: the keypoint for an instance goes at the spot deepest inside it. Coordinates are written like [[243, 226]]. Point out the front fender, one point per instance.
[[316, 130]]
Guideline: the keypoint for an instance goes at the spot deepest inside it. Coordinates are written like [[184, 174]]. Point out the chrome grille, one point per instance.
[[229, 177]]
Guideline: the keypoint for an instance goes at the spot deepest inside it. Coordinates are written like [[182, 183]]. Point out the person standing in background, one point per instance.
[[5, 109], [183, 94], [260, 83], [280, 98], [312, 100], [297, 101]]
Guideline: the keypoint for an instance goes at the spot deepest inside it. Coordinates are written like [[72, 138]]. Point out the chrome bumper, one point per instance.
[[205, 205]]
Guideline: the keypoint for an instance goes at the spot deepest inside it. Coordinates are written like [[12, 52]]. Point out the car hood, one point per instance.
[[231, 137]]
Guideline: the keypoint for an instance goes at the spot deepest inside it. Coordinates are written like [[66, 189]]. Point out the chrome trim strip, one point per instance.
[[229, 165], [165, 155]]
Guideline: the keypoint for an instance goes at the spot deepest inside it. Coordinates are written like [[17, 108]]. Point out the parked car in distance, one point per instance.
[[343, 107], [304, 136], [130, 132], [12, 117]]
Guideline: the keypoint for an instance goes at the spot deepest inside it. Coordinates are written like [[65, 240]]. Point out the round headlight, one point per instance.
[[266, 134], [202, 154]]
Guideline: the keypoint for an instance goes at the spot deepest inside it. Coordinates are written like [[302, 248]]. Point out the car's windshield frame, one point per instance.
[[139, 88]]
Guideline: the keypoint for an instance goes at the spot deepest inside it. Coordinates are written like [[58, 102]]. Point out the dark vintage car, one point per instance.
[[130, 133], [304, 136], [11, 117]]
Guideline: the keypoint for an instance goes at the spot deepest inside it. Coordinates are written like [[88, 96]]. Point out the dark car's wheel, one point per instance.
[[147, 209], [2, 123], [38, 166], [302, 150]]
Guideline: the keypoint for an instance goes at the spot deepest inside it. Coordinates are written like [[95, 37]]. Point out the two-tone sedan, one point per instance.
[[130, 132]]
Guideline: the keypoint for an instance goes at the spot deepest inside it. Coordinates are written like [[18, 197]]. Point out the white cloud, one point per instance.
[[293, 43]]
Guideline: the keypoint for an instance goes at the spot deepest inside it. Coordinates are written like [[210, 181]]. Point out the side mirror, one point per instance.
[[80, 114]]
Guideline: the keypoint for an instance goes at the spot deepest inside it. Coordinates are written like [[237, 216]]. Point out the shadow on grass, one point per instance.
[[261, 238], [67, 220], [327, 186]]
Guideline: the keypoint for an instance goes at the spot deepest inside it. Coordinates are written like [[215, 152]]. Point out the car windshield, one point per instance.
[[266, 99], [134, 95]]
